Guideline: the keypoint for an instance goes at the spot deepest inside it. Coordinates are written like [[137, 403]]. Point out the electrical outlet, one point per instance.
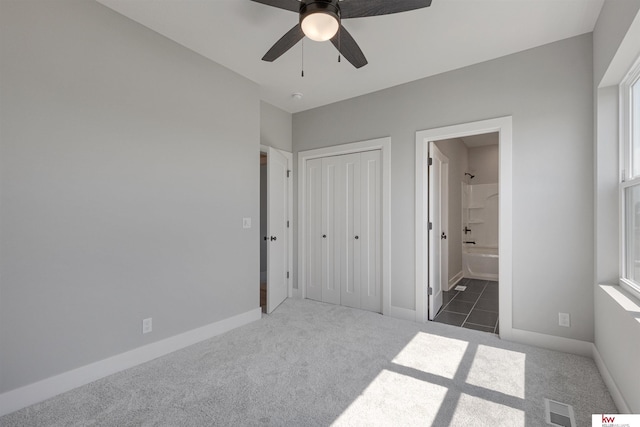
[[564, 319], [146, 326], [246, 222]]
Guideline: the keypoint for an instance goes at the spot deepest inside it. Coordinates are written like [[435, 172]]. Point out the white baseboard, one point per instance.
[[552, 342], [402, 313], [455, 279], [37, 392], [621, 404]]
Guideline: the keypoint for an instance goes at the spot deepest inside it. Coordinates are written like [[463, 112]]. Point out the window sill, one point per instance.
[[630, 289], [625, 299]]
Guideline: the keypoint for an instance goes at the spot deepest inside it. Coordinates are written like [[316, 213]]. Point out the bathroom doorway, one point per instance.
[[470, 297], [477, 220]]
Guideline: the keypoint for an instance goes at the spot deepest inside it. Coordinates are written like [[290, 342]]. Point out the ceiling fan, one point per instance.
[[320, 20]]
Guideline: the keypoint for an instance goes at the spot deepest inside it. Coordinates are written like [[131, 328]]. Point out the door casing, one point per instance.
[[502, 125]]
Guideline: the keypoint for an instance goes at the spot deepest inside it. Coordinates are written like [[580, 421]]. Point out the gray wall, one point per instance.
[[457, 153], [617, 331], [548, 91], [127, 165], [613, 22], [275, 127]]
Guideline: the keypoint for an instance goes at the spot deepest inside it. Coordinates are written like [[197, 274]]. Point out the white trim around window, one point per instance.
[[629, 179]]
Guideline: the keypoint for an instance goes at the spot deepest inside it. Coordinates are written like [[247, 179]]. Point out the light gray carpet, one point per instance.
[[310, 363]]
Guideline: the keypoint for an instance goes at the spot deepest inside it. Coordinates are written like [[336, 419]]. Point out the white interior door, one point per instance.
[[369, 232], [350, 223], [332, 207], [277, 186], [438, 247], [444, 224], [313, 228]]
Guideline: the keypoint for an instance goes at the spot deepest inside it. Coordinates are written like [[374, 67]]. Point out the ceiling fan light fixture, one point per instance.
[[320, 26], [319, 20]]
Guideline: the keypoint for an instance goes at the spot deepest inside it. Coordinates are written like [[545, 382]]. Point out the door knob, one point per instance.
[[324, 236], [357, 237], [273, 238]]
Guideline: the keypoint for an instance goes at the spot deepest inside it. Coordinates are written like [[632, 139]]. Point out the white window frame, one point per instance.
[[626, 168]]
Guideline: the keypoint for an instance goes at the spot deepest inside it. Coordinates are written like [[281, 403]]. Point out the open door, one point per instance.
[[277, 238], [438, 217]]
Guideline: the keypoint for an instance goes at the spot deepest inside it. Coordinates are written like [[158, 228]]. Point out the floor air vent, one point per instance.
[[559, 414]]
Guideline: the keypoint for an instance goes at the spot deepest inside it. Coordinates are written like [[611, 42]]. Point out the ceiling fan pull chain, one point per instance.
[[339, 42], [302, 63]]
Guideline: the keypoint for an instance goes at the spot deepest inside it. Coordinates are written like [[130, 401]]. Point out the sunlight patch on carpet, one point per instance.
[[391, 397], [470, 409], [433, 354], [498, 370]]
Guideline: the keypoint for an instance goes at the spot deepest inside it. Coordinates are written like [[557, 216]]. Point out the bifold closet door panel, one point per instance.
[[313, 237], [349, 237], [344, 230], [332, 207], [370, 233]]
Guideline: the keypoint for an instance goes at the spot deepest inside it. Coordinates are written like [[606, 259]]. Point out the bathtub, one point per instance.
[[480, 263]]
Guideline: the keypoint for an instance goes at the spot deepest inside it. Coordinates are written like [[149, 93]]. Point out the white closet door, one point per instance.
[[349, 236], [343, 255], [313, 238], [332, 206], [370, 231]]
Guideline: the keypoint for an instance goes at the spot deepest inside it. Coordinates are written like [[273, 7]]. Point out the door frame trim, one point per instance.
[[384, 145], [502, 125], [289, 156]]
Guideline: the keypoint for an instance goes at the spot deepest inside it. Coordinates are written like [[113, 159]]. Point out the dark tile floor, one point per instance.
[[475, 308]]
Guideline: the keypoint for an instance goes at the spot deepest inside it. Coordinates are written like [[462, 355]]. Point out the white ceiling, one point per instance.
[[400, 48]]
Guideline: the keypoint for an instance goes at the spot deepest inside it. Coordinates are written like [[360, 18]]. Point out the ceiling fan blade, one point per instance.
[[292, 5], [285, 43], [362, 8], [347, 46]]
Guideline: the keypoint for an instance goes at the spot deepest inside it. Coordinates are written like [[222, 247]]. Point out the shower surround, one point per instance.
[[480, 222]]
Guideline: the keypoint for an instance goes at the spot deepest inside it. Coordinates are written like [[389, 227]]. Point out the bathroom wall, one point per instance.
[[483, 164]]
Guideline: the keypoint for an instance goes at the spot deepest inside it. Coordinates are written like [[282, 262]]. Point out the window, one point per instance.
[[630, 180]]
